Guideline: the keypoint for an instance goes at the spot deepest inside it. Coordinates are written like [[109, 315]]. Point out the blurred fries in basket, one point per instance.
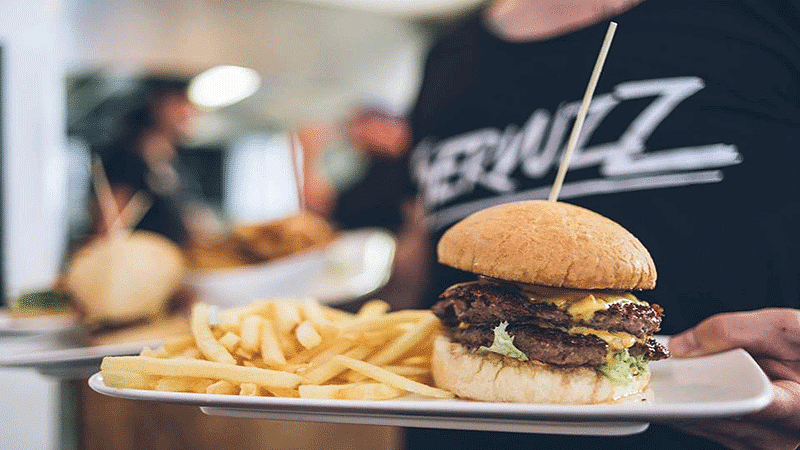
[[290, 348], [258, 243]]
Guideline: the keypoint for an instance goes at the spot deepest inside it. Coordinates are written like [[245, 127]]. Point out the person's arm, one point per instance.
[[772, 336]]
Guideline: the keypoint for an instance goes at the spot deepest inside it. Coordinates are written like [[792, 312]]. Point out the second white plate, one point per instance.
[[45, 324], [353, 266], [59, 356]]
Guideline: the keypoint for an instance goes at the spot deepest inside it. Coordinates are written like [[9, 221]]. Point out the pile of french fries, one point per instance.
[[290, 348]]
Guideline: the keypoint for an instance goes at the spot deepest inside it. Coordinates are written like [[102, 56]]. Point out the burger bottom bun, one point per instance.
[[496, 378]]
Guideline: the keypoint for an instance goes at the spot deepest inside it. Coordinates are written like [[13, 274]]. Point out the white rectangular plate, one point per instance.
[[722, 385]]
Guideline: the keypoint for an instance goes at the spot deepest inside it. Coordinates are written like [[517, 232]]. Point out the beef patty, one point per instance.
[[553, 346], [487, 303]]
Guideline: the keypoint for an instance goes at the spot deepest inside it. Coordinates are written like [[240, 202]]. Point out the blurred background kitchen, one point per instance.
[[337, 74]]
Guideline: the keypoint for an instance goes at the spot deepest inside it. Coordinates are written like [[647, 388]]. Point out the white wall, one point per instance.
[[33, 143], [259, 180], [33, 195]]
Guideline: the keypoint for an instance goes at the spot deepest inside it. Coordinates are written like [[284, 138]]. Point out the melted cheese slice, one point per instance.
[[580, 305], [616, 340]]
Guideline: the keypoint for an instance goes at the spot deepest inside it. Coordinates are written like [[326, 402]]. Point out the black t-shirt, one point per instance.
[[690, 143], [165, 216]]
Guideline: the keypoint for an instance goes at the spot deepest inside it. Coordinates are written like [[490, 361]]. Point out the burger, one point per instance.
[[550, 317], [124, 284]]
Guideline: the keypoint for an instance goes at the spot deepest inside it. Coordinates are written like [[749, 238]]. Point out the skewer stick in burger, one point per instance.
[[551, 318]]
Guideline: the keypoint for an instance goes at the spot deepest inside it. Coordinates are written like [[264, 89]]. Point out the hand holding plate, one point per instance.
[[772, 336]]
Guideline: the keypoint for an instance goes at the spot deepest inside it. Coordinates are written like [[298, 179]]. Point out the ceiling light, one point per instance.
[[223, 85]]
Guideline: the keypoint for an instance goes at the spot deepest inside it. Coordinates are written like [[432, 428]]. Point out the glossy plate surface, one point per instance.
[[722, 385]]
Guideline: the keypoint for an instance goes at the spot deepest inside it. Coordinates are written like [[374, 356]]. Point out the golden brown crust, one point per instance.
[[548, 243]]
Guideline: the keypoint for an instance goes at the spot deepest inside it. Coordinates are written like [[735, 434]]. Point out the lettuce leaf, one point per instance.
[[504, 344], [623, 368]]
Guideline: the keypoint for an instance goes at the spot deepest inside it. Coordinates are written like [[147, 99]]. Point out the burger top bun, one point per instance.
[[124, 277], [548, 243]]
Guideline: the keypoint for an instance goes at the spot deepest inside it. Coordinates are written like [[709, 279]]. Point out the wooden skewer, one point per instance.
[[134, 211], [296, 155], [105, 198], [587, 100]]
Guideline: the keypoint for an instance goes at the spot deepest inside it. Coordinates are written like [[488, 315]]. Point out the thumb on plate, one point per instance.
[[772, 332], [715, 334]]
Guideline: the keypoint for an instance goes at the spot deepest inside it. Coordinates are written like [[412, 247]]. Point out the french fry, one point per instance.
[[287, 315], [147, 351], [244, 354], [330, 369], [337, 315], [201, 369], [373, 308], [230, 320], [386, 320], [405, 371], [249, 389], [128, 380], [320, 392], [182, 384], [201, 385], [271, 351], [336, 347], [376, 335], [358, 391], [172, 384], [313, 312], [305, 355], [229, 340], [206, 343], [251, 334], [410, 339], [392, 379], [307, 336], [222, 387], [176, 345], [280, 392], [189, 353], [415, 361], [370, 391], [260, 307], [408, 371], [216, 331]]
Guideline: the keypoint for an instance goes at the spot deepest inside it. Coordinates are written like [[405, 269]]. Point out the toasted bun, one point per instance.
[[548, 243], [495, 378], [122, 277]]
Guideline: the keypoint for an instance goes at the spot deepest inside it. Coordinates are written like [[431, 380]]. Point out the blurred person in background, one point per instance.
[[144, 157], [353, 169], [688, 144], [383, 138]]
